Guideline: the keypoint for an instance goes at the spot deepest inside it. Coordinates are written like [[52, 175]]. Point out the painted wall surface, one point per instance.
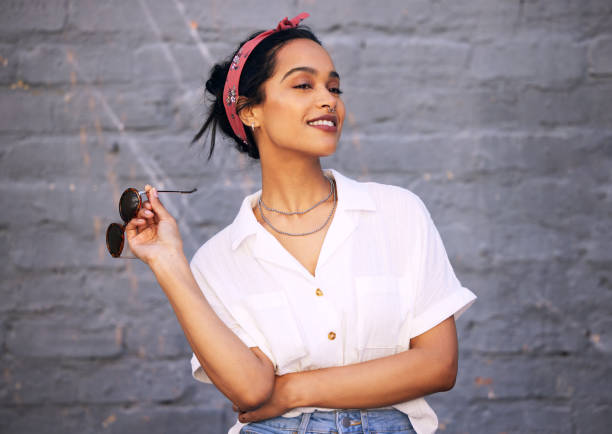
[[497, 113]]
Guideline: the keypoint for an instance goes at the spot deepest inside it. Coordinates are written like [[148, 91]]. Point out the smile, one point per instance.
[[322, 122], [324, 125]]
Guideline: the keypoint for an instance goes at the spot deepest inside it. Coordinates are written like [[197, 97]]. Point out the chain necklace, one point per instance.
[[301, 234], [261, 203]]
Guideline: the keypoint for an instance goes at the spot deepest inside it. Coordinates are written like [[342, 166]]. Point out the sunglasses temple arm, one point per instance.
[[144, 197]]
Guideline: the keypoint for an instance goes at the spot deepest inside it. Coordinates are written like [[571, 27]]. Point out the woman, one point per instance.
[[328, 304]]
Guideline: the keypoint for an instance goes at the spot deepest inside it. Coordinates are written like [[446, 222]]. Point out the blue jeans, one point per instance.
[[388, 421]]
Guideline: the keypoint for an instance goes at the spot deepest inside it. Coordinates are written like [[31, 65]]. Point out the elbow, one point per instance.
[[256, 394], [448, 375], [253, 399], [449, 382]]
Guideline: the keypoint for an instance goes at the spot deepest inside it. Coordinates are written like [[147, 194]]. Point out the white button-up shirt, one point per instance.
[[382, 277]]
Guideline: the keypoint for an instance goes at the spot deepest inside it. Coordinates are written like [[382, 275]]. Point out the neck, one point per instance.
[[294, 185]]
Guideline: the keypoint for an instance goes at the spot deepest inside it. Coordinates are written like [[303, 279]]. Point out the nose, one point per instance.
[[331, 109], [327, 100]]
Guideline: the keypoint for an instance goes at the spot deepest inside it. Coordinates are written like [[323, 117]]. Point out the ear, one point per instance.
[[249, 115]]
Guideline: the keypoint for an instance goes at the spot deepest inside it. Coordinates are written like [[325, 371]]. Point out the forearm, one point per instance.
[[429, 366], [376, 383], [231, 365]]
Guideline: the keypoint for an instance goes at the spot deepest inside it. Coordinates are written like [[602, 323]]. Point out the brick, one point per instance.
[[153, 419], [55, 338], [600, 57], [429, 111], [193, 66], [401, 15], [477, 21], [483, 378], [36, 159], [533, 61], [164, 420], [582, 19], [157, 381], [153, 64], [514, 417], [56, 247], [429, 60], [109, 16], [37, 15], [29, 420], [242, 20], [158, 335], [20, 106], [50, 64], [37, 381], [47, 292], [591, 419]]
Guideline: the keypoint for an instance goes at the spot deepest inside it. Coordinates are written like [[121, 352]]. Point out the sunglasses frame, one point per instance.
[[139, 195]]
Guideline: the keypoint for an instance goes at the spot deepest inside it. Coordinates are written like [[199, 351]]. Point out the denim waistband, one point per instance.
[[340, 421]]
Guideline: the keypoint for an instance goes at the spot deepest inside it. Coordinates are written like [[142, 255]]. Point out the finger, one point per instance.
[[134, 227], [131, 229], [255, 415], [157, 206], [147, 215]]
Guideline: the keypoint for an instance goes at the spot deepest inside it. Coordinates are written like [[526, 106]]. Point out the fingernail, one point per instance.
[[155, 192], [148, 213]]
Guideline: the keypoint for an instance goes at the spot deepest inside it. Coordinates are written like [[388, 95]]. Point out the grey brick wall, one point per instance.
[[498, 113]]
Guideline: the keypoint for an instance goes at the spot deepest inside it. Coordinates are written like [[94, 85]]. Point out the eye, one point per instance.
[[335, 90], [303, 86]]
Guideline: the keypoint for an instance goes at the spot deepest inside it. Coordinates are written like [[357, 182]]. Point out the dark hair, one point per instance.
[[258, 68]]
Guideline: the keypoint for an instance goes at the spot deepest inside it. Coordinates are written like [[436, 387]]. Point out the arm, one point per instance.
[[245, 376], [429, 366]]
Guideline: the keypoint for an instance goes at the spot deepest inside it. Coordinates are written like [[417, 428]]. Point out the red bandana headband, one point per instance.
[[230, 91]]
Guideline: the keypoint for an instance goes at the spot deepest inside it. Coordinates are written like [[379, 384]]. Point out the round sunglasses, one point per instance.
[[129, 204]]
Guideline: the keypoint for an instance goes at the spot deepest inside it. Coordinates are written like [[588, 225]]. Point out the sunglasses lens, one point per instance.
[[114, 239], [129, 204]]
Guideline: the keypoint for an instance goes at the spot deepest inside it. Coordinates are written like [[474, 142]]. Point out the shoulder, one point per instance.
[[396, 200], [214, 251]]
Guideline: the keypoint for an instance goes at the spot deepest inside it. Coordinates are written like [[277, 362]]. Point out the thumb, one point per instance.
[[156, 204]]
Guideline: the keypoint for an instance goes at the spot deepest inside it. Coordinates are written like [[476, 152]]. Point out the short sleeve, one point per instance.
[[439, 294], [223, 314]]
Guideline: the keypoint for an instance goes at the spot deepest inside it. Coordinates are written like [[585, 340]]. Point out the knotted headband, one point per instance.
[[230, 91]]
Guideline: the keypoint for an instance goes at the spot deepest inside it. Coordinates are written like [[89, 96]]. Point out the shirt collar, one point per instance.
[[352, 195]]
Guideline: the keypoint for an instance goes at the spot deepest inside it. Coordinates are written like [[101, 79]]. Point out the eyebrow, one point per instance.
[[308, 69]]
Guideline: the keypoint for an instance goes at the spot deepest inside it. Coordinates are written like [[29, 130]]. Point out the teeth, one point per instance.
[[321, 122]]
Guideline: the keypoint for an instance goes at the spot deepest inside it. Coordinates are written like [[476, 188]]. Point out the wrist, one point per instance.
[[169, 259], [298, 390]]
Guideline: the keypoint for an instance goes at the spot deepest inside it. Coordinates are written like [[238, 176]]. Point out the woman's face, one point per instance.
[[303, 88]]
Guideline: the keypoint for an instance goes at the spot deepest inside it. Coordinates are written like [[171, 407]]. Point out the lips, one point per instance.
[[325, 123]]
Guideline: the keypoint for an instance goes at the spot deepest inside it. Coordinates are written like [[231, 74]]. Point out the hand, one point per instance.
[[280, 402], [153, 232]]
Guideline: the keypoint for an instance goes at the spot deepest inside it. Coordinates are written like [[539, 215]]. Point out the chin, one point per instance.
[[325, 149]]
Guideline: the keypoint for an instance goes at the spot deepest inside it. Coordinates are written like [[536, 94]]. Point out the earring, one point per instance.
[[253, 127]]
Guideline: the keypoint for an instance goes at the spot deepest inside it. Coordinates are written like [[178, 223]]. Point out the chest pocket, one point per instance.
[[274, 319], [381, 314]]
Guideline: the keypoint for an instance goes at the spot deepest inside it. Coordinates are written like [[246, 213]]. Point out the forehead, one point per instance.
[[303, 52]]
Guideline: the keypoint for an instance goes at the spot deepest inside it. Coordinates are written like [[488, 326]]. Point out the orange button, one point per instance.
[[331, 336], [319, 292]]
